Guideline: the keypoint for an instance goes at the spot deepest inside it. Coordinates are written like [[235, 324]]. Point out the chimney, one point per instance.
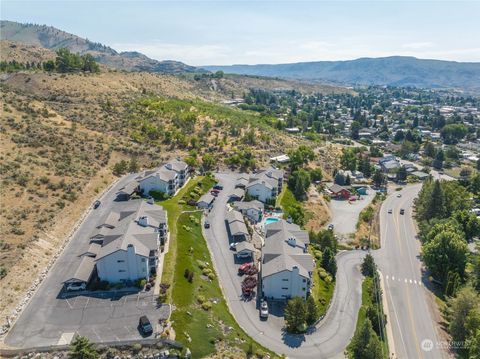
[[143, 221], [169, 166], [292, 241]]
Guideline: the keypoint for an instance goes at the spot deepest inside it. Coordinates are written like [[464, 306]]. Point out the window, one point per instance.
[[304, 280], [143, 260], [120, 261], [122, 270], [303, 289], [285, 279], [285, 288]]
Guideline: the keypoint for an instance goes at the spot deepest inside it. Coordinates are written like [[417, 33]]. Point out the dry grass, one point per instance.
[[318, 212]]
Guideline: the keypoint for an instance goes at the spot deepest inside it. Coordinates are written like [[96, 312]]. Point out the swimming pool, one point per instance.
[[269, 220]]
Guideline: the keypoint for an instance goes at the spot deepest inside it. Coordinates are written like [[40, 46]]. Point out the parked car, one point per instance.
[[390, 211], [214, 194], [264, 310], [244, 268], [330, 227], [399, 195], [217, 191], [402, 211], [217, 186], [71, 287], [96, 204], [144, 326], [206, 224], [233, 246]]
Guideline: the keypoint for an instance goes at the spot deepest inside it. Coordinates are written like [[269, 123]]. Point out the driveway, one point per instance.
[[51, 318], [345, 214], [333, 333]]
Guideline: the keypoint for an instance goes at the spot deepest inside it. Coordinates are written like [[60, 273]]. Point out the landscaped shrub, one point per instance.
[[207, 305], [201, 299]]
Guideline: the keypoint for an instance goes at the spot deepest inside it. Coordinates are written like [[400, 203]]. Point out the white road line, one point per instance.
[[415, 281], [393, 278], [410, 281], [386, 277], [68, 303], [88, 299], [405, 280]]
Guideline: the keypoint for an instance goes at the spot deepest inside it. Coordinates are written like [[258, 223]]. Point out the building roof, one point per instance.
[[84, 270], [269, 183], [129, 188], [420, 174], [162, 173], [176, 165], [285, 246], [207, 198], [392, 164], [236, 223], [128, 229], [245, 246], [336, 188], [238, 192], [256, 204]]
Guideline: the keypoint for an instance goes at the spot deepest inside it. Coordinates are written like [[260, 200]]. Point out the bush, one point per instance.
[[137, 347], [207, 305], [201, 299]]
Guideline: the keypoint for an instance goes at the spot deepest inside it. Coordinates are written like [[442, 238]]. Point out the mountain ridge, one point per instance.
[[52, 38], [391, 70]]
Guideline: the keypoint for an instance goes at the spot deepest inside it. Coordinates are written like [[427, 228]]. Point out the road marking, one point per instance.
[[393, 278], [88, 299], [410, 281], [414, 281], [386, 277], [405, 280]]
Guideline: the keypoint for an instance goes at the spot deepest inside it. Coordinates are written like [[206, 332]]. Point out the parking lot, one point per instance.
[[345, 214], [53, 316]]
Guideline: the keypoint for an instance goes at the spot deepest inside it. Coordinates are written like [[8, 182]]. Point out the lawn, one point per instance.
[[201, 317], [322, 291], [292, 207]]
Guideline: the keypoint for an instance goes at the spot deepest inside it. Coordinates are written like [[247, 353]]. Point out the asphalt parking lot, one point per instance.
[[345, 214], [53, 317]]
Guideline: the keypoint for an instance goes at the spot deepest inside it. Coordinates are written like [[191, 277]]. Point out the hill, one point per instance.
[[393, 71], [52, 38]]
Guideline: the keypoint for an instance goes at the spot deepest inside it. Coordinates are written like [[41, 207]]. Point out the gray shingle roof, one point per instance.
[[84, 270], [259, 206], [236, 223]]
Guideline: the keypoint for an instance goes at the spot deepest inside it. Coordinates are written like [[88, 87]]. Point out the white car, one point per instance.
[[76, 286], [233, 246], [399, 195], [264, 309]]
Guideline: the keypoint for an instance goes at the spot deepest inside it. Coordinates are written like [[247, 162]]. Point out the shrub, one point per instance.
[[137, 347], [190, 277], [186, 274], [207, 305], [201, 299], [211, 276]]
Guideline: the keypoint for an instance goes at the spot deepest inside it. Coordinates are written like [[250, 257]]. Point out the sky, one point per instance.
[[252, 32]]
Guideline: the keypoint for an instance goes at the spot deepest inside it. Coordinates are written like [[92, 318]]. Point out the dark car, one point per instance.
[[402, 211], [144, 325], [96, 204], [206, 224], [217, 186]]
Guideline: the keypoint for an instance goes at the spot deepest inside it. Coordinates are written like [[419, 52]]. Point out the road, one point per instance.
[[410, 314], [334, 332], [51, 319]]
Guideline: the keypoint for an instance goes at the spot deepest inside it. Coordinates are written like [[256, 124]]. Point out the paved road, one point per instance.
[[48, 318], [333, 333], [398, 259]]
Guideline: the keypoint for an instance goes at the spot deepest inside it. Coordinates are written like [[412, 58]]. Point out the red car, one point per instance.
[[215, 191], [244, 267]]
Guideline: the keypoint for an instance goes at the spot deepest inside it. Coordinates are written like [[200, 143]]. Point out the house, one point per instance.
[[287, 267], [181, 168], [390, 167], [280, 159], [161, 180], [245, 249], [420, 175], [206, 201], [236, 226], [125, 245], [252, 210], [292, 129], [127, 191], [339, 192], [236, 195], [265, 185]]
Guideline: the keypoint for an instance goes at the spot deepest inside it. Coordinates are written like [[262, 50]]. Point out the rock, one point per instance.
[[188, 353]]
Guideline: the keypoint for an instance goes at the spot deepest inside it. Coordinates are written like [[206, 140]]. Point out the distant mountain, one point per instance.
[[394, 71], [52, 38]]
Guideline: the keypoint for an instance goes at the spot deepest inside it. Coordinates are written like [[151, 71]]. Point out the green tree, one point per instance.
[[299, 182], [379, 178], [329, 262], [316, 174], [402, 173], [312, 310], [120, 168], [81, 348], [365, 343], [49, 66], [348, 159], [208, 162], [460, 307], [369, 268], [447, 252], [300, 157], [133, 165], [375, 314], [429, 150], [355, 129], [295, 315], [469, 222]]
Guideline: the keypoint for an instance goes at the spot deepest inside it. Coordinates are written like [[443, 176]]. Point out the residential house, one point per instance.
[[339, 192], [182, 170], [245, 249], [252, 210], [287, 267], [236, 195], [127, 191]]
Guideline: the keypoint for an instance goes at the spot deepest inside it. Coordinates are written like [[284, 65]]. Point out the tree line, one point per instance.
[[65, 62]]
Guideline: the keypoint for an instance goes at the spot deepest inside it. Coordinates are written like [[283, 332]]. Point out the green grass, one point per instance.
[[322, 291], [292, 207], [188, 250]]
